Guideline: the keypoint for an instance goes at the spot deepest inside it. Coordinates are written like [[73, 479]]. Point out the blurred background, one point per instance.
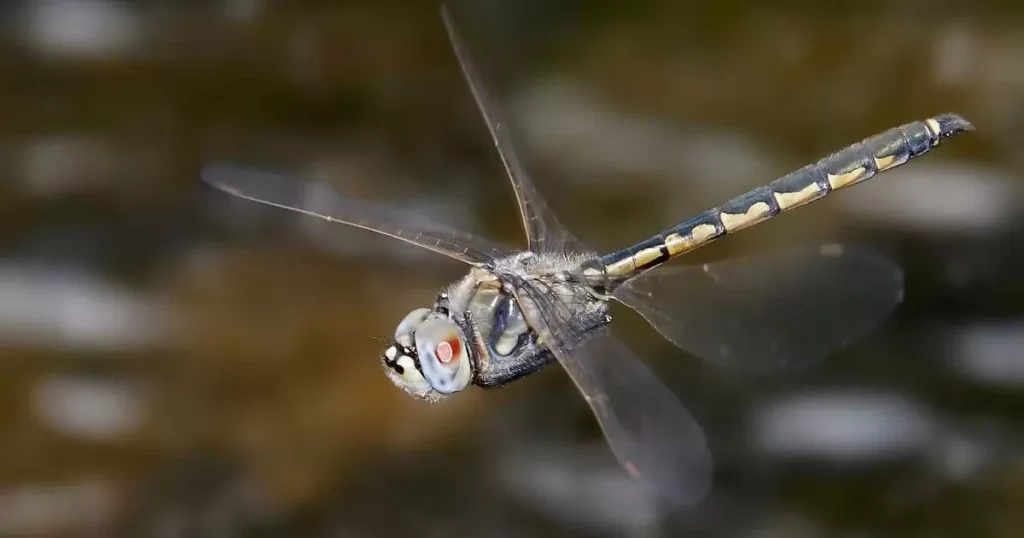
[[179, 363]]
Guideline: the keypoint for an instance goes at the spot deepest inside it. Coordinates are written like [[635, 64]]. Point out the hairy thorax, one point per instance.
[[521, 307]]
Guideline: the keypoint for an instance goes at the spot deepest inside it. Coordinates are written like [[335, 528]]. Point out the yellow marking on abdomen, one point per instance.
[[646, 256], [935, 128], [856, 175], [630, 264], [758, 212], [789, 200], [678, 244], [620, 268], [886, 163]]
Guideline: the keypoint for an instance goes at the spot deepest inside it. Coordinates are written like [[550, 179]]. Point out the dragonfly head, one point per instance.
[[428, 358]]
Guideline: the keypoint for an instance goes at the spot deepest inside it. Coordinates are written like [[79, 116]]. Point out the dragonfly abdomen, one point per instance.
[[854, 164]]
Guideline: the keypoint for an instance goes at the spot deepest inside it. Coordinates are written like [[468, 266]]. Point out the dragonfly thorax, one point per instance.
[[508, 309]]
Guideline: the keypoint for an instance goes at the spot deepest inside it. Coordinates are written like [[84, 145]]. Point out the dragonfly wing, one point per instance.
[[543, 230], [783, 311], [649, 430], [320, 201]]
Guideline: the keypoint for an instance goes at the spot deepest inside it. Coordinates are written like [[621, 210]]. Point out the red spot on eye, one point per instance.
[[448, 350], [444, 352]]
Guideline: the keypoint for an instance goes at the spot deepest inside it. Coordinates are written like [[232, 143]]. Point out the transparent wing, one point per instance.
[[650, 432], [543, 230], [320, 201], [784, 311]]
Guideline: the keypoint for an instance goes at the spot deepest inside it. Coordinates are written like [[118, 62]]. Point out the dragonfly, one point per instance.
[[517, 311]]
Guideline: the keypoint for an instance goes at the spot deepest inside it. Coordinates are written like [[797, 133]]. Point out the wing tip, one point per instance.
[[688, 492], [217, 175], [446, 18], [210, 172]]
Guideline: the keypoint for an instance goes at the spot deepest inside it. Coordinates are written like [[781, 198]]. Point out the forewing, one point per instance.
[[323, 202], [543, 230], [784, 311]]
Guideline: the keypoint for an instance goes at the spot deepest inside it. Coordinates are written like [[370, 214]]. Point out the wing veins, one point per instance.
[[272, 189], [544, 232]]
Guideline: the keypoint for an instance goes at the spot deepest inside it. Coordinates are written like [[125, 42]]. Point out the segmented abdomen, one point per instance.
[[847, 167]]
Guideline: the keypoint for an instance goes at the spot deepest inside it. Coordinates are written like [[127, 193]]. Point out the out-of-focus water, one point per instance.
[[175, 362]]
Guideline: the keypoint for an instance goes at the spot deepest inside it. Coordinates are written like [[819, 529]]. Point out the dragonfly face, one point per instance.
[[429, 358]]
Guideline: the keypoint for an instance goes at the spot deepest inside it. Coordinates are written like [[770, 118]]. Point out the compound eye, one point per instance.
[[409, 324], [440, 339], [443, 357]]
